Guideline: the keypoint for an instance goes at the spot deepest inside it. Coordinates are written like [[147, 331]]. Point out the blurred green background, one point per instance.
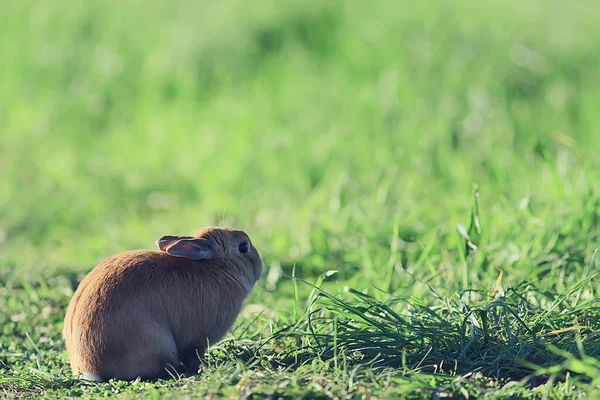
[[344, 135]]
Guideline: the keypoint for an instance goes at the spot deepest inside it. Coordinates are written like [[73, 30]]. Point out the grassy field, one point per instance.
[[421, 178]]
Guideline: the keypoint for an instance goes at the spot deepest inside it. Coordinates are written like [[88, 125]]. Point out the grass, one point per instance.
[[420, 178]]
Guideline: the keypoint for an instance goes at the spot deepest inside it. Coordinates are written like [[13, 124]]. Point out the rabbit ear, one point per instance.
[[167, 241], [194, 249]]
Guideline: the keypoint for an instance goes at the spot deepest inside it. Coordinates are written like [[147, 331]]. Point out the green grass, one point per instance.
[[421, 179]]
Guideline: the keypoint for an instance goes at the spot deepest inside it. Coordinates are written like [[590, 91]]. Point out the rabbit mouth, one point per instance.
[[258, 271]]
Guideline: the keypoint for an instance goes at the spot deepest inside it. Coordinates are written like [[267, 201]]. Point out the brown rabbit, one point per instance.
[[140, 312]]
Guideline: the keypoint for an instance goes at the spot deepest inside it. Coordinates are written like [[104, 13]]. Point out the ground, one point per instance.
[[421, 179]]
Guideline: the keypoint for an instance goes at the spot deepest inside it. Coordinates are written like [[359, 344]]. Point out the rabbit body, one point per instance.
[[139, 312]]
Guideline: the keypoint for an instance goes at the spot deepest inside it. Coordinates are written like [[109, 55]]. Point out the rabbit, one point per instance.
[[141, 312]]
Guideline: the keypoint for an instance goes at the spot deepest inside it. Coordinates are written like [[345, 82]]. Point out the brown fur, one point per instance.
[[140, 311]]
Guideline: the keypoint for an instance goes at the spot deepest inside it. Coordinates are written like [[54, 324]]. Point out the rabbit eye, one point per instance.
[[244, 247]]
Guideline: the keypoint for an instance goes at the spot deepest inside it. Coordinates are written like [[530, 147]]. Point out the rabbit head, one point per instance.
[[233, 248]]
